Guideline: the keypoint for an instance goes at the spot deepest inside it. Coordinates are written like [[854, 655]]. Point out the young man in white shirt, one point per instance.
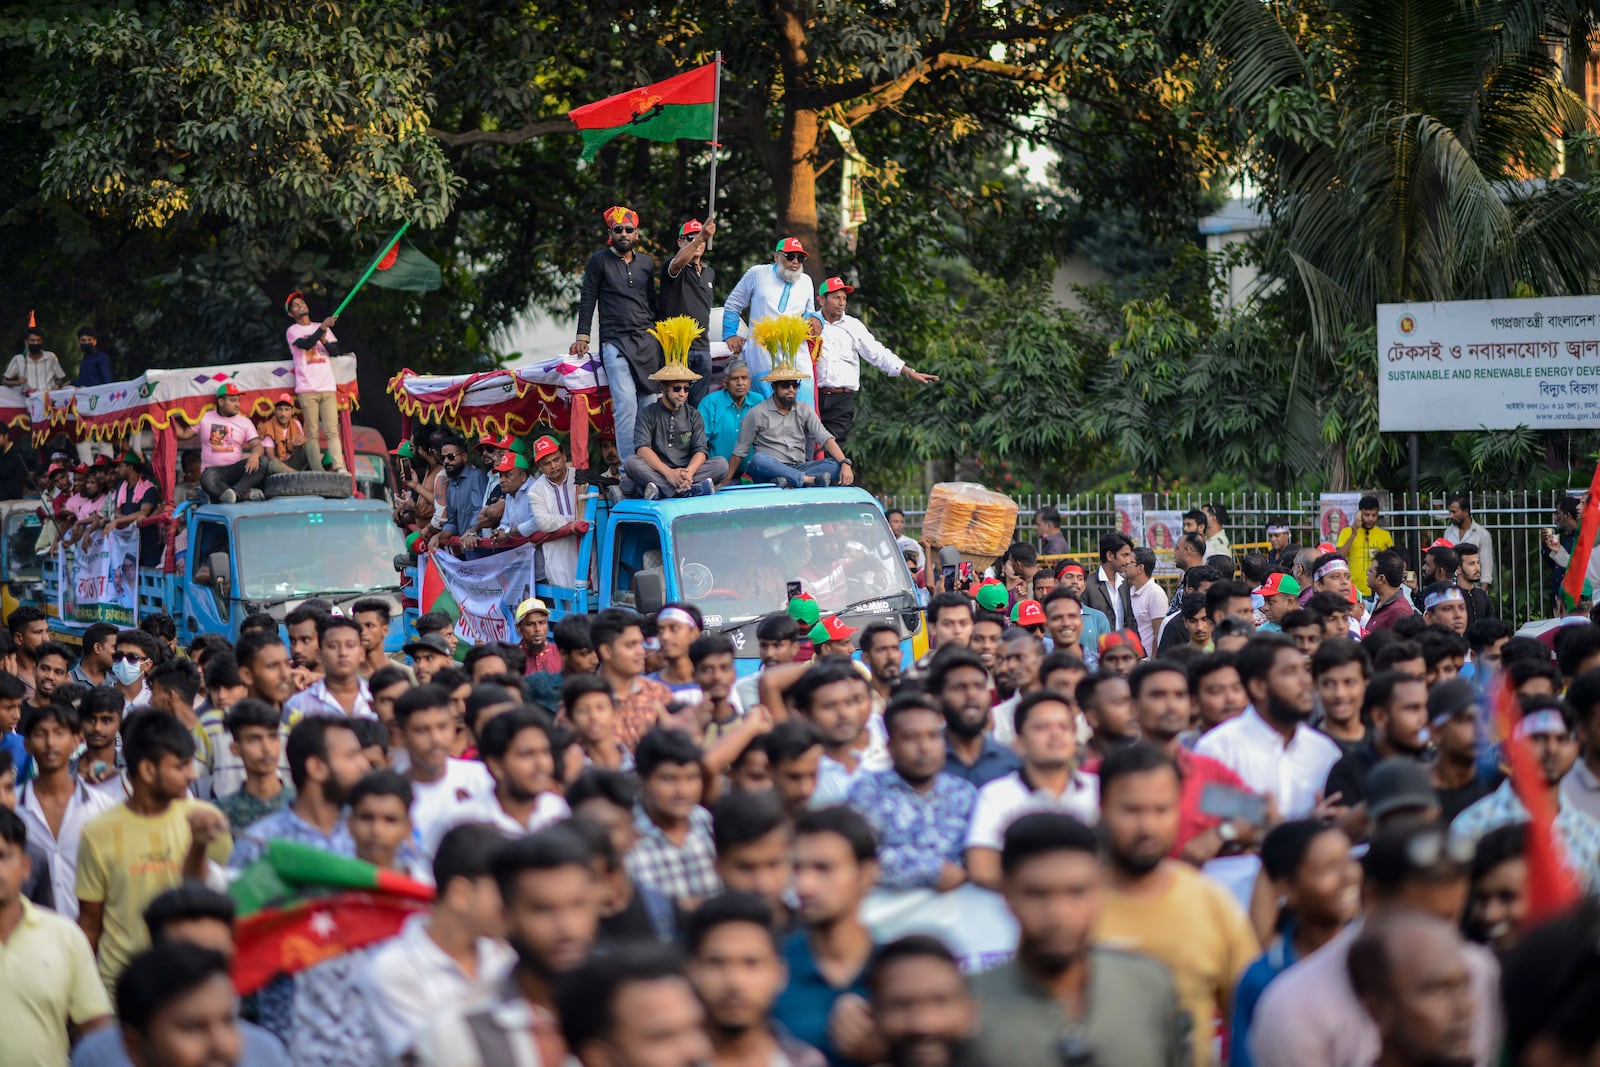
[[56, 803], [441, 785], [554, 499], [1147, 598], [1047, 734], [846, 341], [515, 746], [341, 690]]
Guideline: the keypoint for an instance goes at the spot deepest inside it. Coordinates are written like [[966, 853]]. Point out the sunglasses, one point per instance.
[[129, 657], [622, 229], [795, 257], [679, 388]]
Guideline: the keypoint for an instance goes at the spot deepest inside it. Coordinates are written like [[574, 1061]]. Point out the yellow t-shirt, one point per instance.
[[1199, 931], [1359, 546], [48, 976], [126, 860]]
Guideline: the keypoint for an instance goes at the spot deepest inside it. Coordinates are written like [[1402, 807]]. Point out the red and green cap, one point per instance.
[[803, 609], [511, 461], [991, 596], [830, 629], [835, 285], [790, 244], [403, 450], [229, 389], [1028, 613], [1119, 638], [545, 446], [297, 294], [504, 441], [690, 228], [1278, 583], [412, 539]]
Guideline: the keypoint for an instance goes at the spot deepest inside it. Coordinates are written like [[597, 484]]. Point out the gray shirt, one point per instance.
[[1133, 1015], [786, 438], [674, 436]]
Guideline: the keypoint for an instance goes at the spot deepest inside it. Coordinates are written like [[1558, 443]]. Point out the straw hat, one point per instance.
[[675, 372], [785, 373]]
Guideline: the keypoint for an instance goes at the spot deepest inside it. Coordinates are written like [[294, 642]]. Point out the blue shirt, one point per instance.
[[463, 499], [722, 420], [1278, 958], [11, 741], [918, 833], [95, 369], [806, 1002], [103, 1048], [995, 761]]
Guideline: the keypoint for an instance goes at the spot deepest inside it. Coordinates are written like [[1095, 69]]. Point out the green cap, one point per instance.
[[992, 596], [411, 540], [404, 451], [804, 610]]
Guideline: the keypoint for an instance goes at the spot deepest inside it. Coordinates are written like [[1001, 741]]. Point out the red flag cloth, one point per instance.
[[1552, 885], [1578, 567], [681, 106], [291, 939]]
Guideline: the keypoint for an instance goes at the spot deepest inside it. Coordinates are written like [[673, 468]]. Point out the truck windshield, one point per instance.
[[737, 565], [306, 553]]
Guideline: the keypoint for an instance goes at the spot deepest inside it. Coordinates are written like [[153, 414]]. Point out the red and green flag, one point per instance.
[[398, 265], [433, 594], [1578, 566], [680, 107], [298, 906]]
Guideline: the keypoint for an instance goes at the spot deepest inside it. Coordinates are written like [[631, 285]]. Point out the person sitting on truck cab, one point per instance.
[[230, 449], [554, 497], [284, 437], [670, 455], [776, 439]]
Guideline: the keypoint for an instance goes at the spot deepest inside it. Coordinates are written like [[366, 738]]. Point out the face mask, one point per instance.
[[126, 671]]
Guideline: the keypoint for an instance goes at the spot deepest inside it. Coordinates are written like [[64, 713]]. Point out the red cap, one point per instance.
[[504, 441], [229, 389], [102, 461], [790, 244], [284, 398], [510, 461], [290, 299], [1326, 547], [836, 629], [1029, 613], [1441, 543], [691, 227], [835, 285], [80, 469], [1278, 583], [544, 446], [1121, 637]]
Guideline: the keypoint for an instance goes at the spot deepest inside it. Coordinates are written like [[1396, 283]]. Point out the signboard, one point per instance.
[[1489, 364], [1130, 516], [480, 595], [1161, 532], [1335, 511], [99, 578]]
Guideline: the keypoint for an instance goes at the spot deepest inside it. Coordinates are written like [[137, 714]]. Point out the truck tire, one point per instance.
[[307, 483]]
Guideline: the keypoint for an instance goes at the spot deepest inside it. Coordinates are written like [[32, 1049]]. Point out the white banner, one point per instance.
[[1161, 532], [99, 578], [1130, 516], [1489, 364], [1335, 511], [972, 921], [485, 592]]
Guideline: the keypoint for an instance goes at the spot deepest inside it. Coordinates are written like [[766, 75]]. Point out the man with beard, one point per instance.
[[1107, 703], [325, 762], [880, 651], [551, 912], [924, 1012], [440, 957], [1161, 703], [836, 700], [1271, 747], [1048, 737], [1397, 707], [621, 282], [835, 867], [778, 439], [1411, 976], [515, 746], [957, 679], [737, 972], [1020, 657], [1163, 908], [781, 288], [1067, 998], [919, 812]]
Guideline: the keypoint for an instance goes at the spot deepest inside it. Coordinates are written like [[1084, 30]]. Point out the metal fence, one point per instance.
[[1522, 587]]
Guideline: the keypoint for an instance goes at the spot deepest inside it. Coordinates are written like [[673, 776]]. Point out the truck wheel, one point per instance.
[[307, 483]]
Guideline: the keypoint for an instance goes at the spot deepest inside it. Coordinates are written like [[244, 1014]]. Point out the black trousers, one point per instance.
[[838, 413]]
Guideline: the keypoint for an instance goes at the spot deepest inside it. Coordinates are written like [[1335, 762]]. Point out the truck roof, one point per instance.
[[742, 498], [291, 505]]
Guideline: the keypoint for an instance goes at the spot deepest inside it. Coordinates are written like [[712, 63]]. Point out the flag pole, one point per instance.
[[372, 267], [716, 118]]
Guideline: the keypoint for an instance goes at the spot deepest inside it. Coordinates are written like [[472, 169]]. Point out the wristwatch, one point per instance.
[[846, 462]]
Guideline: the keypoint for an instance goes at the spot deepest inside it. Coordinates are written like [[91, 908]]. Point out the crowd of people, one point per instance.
[[1286, 835]]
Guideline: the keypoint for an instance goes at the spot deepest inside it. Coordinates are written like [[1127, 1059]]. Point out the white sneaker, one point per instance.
[[228, 497]]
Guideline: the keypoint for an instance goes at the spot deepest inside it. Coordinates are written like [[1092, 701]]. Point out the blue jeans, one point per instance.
[[764, 468], [624, 396], [700, 363]]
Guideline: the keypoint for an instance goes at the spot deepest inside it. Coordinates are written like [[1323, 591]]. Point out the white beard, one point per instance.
[[790, 274]]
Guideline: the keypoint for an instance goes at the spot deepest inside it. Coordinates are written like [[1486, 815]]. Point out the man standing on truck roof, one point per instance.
[[230, 449], [554, 497], [686, 290], [776, 439], [781, 287], [621, 281], [311, 346], [846, 341], [671, 457], [35, 370]]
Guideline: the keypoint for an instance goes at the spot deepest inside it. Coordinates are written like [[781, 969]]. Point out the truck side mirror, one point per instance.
[[649, 590], [221, 581]]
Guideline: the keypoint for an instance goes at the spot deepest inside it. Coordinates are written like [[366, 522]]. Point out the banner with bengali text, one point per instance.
[[99, 578], [481, 595], [1489, 364]]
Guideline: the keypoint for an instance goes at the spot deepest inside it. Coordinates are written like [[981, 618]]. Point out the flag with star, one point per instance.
[[298, 906]]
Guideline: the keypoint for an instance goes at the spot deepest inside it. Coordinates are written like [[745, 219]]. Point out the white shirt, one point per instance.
[[86, 802], [1114, 585], [464, 784], [554, 506], [834, 781], [410, 980], [548, 809], [315, 699], [844, 345], [1294, 774], [518, 514], [1005, 800], [1149, 611], [1003, 720], [1474, 535], [760, 294]]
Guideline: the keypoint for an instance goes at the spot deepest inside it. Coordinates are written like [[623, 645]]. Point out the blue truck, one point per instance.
[[734, 556]]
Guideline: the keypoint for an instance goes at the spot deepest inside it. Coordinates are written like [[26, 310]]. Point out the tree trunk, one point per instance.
[[795, 183]]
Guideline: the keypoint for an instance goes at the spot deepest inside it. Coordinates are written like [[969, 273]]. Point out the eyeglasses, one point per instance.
[[795, 257], [453, 455], [1428, 848], [622, 229], [129, 657], [680, 388]]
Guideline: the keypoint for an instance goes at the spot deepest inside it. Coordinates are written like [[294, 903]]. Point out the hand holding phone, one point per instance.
[[1226, 802]]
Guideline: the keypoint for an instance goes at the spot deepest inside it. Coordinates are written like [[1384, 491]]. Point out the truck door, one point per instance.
[[635, 547], [205, 610]]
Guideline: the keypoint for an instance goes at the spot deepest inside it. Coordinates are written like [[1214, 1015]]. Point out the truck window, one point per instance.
[[209, 537], [638, 546]]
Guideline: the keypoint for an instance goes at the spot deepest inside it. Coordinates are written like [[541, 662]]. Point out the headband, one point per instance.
[[1333, 566], [1277, 530], [1544, 721], [1443, 596], [677, 615], [1071, 567]]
